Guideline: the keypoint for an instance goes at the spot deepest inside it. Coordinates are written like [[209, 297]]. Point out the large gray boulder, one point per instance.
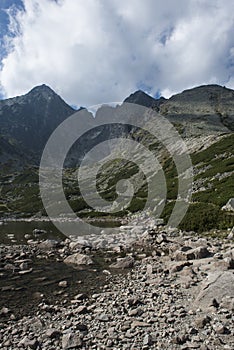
[[217, 285], [191, 254]]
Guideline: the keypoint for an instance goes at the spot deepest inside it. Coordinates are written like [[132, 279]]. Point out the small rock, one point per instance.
[[23, 266], [161, 238], [29, 343], [191, 254], [81, 296], [38, 232], [202, 321], [53, 333], [24, 272], [139, 324], [81, 310], [71, 340], [63, 284], [179, 266], [221, 329], [103, 317], [48, 244], [147, 340], [4, 311]]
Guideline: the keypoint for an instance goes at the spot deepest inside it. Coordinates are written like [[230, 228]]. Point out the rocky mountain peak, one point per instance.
[[42, 91], [141, 98], [28, 120]]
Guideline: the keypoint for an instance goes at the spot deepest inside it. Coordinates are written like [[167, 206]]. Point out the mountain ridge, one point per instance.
[[203, 117], [27, 121]]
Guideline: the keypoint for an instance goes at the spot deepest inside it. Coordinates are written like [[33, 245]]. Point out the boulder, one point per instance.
[[38, 232], [78, 259], [217, 285], [123, 263], [52, 333], [71, 341], [29, 343], [48, 244], [63, 284], [192, 254], [229, 206], [178, 266]]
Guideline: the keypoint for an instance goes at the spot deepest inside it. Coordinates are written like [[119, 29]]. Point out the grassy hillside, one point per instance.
[[213, 186]]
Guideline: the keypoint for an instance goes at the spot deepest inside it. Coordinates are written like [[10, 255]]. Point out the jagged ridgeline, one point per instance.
[[203, 116]]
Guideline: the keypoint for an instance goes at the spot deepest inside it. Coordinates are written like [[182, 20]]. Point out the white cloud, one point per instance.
[[97, 51]]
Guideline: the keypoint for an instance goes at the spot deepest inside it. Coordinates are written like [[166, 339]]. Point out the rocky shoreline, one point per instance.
[[155, 289]]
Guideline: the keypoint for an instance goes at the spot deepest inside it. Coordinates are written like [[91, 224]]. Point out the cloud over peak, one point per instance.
[[100, 51]]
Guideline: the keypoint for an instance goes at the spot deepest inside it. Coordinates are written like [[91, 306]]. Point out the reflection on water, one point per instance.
[[14, 232]]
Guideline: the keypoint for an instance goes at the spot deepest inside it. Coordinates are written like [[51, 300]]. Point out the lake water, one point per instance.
[[13, 232], [18, 292]]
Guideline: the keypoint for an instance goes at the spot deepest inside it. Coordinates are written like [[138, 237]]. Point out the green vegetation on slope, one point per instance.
[[214, 173], [217, 179]]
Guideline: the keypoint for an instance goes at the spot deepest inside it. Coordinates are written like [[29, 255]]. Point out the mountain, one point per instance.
[[207, 109], [204, 116], [27, 121], [141, 98], [203, 110]]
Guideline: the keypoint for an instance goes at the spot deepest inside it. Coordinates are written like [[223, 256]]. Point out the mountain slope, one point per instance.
[[202, 110], [27, 121], [203, 116]]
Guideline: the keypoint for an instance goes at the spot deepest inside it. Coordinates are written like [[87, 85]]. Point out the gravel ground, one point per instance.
[[162, 290]]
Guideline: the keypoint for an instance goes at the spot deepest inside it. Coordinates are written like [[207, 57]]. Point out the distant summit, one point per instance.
[[43, 90], [139, 97]]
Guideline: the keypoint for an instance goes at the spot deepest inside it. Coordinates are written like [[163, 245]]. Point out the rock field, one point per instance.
[[162, 289]]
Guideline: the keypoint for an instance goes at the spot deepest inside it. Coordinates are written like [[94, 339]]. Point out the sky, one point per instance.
[[100, 51]]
